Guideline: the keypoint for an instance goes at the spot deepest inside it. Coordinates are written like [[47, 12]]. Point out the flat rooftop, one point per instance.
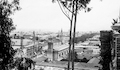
[[65, 46]]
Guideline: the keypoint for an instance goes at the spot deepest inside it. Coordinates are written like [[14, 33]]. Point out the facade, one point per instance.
[[30, 50], [59, 52], [62, 65], [33, 50], [56, 52], [17, 43]]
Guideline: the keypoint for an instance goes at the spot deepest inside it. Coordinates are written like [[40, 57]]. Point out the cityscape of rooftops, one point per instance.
[[59, 34]]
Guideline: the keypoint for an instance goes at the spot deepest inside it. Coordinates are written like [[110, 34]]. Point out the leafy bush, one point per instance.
[[23, 63]]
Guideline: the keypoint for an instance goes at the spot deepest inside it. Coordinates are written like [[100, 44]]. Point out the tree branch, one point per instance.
[[63, 11]]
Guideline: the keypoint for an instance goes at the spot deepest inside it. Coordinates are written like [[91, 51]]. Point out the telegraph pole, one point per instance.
[[21, 43], [21, 48], [34, 43], [34, 37]]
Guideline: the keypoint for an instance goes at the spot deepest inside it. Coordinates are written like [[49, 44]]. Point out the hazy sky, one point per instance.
[[45, 15]]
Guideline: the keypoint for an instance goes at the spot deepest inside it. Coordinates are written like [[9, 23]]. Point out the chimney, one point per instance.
[[50, 51], [50, 46]]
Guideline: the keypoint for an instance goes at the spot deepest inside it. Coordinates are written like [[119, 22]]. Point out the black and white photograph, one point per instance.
[[59, 34]]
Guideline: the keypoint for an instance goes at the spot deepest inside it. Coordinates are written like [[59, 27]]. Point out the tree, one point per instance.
[[7, 7], [84, 37], [73, 6], [24, 63]]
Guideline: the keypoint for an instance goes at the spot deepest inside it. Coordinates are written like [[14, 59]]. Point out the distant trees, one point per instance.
[[7, 7], [84, 37]]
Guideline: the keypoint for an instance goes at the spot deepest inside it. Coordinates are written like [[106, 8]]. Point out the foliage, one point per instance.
[[84, 37], [23, 63], [7, 8], [81, 4], [115, 21]]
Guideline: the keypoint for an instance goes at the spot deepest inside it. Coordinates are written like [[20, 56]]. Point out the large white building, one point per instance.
[[59, 52], [27, 48]]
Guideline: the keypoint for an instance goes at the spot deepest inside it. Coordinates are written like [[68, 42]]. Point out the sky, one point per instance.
[[45, 15]]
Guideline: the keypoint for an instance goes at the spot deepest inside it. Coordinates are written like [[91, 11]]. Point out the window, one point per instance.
[[62, 53], [59, 54]]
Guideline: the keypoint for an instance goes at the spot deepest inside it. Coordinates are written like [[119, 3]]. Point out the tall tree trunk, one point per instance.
[[74, 31], [70, 41]]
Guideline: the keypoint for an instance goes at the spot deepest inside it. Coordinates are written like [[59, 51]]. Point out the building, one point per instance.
[[63, 65], [17, 43], [58, 52], [27, 46]]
